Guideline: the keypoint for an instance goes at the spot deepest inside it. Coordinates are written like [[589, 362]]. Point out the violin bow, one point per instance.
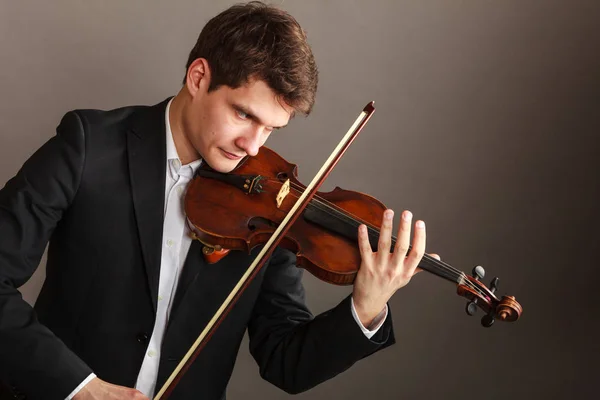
[[265, 252]]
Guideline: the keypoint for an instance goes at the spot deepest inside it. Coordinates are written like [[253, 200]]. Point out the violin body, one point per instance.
[[226, 216]]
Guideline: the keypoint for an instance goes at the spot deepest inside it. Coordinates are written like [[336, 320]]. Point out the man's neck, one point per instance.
[[185, 150]]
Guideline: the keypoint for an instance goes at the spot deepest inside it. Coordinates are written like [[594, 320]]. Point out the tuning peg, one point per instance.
[[487, 320], [494, 284], [478, 272], [471, 308]]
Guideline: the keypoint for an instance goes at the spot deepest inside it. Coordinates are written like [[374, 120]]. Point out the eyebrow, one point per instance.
[[251, 115]]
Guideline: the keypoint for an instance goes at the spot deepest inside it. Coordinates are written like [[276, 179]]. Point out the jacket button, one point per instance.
[[142, 337]]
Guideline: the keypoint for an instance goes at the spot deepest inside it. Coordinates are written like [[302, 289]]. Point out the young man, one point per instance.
[[126, 292]]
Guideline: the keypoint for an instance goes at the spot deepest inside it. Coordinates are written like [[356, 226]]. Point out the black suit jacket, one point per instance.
[[95, 191]]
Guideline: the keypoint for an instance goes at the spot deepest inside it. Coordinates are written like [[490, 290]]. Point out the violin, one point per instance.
[[262, 202], [240, 210]]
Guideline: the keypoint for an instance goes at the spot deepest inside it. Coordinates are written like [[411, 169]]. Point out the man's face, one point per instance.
[[227, 124]]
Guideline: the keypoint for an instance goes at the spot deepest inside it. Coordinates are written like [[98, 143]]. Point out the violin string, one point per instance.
[[442, 268], [446, 269], [373, 231]]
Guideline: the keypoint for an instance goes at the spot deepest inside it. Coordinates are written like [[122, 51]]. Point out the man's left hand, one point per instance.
[[383, 272]]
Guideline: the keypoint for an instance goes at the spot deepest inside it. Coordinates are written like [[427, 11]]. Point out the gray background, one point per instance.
[[485, 124]]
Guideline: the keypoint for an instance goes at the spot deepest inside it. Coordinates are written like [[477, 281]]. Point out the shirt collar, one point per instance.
[[173, 161]]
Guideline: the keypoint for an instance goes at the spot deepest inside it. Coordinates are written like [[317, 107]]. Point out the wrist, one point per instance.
[[83, 389], [86, 387], [367, 312]]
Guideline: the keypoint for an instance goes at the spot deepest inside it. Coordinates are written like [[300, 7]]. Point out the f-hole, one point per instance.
[[260, 223]]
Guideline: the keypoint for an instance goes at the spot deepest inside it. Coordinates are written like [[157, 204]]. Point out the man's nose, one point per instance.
[[251, 141]]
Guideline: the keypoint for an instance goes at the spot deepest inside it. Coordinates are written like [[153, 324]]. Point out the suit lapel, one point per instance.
[[146, 149], [206, 284]]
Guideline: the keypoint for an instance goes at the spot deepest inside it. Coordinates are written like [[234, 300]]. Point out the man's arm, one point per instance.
[[294, 351], [31, 204]]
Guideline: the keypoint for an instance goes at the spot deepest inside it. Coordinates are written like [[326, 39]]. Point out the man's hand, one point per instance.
[[383, 272], [97, 389]]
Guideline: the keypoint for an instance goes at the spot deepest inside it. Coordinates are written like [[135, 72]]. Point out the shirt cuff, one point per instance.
[[81, 385], [375, 325]]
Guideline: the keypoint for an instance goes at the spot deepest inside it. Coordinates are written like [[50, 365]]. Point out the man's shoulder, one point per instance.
[[100, 129], [96, 117]]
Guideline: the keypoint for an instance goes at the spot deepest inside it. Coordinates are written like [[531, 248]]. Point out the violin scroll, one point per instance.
[[505, 309]]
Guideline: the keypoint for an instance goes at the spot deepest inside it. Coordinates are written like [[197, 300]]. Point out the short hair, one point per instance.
[[259, 41]]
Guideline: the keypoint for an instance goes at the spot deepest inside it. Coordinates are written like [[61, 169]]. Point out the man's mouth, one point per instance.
[[231, 156]]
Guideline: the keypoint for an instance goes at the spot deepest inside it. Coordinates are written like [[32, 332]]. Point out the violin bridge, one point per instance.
[[285, 189]]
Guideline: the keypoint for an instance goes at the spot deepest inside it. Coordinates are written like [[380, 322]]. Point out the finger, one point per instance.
[[385, 234], [436, 256], [403, 240], [137, 395], [418, 248], [366, 252], [142, 396]]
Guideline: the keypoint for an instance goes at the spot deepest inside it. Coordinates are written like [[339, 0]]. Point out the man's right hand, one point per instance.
[[97, 389]]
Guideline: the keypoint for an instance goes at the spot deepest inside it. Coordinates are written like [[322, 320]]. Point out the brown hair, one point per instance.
[[256, 40]]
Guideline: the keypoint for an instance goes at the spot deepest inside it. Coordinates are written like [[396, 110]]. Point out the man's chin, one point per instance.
[[222, 165]]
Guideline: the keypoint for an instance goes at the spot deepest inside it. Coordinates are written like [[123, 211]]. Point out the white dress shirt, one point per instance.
[[175, 245]]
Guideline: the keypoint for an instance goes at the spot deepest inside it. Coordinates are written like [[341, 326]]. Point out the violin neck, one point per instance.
[[342, 224], [441, 269]]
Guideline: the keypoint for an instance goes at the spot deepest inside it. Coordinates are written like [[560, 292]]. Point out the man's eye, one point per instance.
[[241, 114]]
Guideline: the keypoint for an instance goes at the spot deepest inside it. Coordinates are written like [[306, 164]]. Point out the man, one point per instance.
[[126, 292]]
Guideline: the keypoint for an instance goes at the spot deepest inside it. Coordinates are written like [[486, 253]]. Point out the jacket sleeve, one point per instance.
[[31, 204], [295, 351]]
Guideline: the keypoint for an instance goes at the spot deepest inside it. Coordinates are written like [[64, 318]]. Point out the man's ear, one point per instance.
[[198, 77]]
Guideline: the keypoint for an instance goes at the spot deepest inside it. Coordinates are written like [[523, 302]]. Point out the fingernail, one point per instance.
[[420, 224], [407, 215], [389, 214]]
